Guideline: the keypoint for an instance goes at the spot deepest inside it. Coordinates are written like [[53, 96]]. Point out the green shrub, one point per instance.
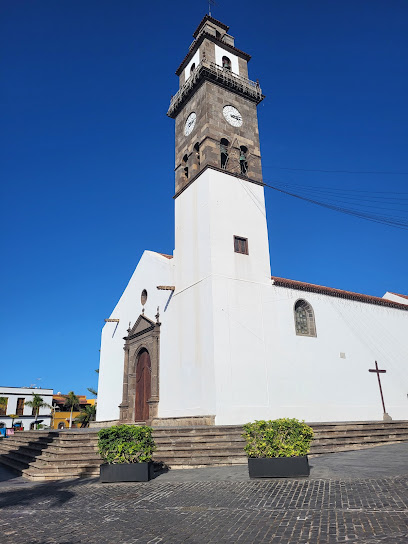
[[126, 444], [277, 438]]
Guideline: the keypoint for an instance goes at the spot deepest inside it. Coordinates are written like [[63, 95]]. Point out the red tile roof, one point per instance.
[[167, 256], [339, 293]]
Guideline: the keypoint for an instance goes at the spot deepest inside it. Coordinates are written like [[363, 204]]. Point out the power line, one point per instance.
[[339, 171], [389, 220], [346, 191]]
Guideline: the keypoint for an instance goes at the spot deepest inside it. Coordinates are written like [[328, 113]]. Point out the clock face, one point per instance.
[[190, 123], [232, 116]]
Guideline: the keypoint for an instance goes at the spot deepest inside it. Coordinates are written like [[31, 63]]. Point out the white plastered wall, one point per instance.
[[228, 345], [220, 52], [196, 370], [254, 366], [152, 270], [195, 60], [307, 376]]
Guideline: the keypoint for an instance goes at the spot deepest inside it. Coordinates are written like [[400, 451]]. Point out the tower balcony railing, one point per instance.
[[209, 70]]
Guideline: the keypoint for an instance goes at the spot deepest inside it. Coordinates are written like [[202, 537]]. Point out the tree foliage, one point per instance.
[[278, 438], [37, 403], [87, 414], [71, 400], [126, 444]]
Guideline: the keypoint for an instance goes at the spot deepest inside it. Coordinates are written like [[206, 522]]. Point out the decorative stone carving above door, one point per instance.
[[141, 372]]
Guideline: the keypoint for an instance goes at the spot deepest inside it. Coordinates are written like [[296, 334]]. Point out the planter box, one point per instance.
[[278, 467], [128, 472]]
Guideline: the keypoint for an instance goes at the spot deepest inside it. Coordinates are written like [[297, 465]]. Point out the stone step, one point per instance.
[[357, 425], [359, 440], [351, 434], [70, 472], [203, 460], [324, 450], [61, 463], [52, 446], [44, 444], [199, 451], [71, 454], [199, 443], [27, 440]]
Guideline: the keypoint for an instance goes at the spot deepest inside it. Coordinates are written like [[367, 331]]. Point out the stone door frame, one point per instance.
[[145, 334]]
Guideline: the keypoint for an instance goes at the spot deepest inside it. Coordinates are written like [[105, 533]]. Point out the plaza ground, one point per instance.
[[354, 497]]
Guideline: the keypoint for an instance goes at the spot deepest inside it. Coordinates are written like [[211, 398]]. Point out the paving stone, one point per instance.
[[219, 505]]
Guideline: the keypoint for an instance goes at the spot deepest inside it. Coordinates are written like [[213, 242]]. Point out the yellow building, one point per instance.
[[61, 414]]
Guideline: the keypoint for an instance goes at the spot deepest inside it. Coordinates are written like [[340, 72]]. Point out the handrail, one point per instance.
[[235, 81]]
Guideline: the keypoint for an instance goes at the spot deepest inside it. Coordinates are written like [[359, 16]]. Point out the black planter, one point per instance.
[[128, 472], [278, 467]]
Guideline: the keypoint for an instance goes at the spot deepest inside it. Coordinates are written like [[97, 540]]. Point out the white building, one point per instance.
[[230, 343], [17, 397]]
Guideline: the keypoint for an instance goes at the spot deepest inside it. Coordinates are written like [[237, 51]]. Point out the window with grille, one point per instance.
[[241, 245], [20, 407], [304, 319]]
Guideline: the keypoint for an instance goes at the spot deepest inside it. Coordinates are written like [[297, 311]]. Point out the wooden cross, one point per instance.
[[378, 372]]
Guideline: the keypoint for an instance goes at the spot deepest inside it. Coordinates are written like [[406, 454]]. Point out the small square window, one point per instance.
[[241, 245]]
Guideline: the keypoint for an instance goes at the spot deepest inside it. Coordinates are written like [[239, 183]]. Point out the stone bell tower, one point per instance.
[[215, 108], [221, 257]]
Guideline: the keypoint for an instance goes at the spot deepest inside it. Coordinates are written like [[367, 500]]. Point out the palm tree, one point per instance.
[[36, 404], [71, 400], [87, 414]]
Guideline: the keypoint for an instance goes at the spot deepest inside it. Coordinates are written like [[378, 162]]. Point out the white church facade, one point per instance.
[[206, 335]]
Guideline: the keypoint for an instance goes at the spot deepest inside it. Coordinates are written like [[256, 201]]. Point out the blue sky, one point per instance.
[[87, 155]]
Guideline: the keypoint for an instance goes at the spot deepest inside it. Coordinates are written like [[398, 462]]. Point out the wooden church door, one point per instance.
[[143, 386]]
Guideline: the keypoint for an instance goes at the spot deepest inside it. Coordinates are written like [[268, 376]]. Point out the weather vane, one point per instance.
[[210, 3]]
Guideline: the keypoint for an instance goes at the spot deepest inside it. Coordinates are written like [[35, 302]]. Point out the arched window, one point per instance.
[[304, 319], [185, 162], [226, 63], [243, 163], [192, 68], [224, 143], [197, 153]]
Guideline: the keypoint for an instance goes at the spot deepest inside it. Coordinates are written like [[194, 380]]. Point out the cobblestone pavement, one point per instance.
[[218, 505]]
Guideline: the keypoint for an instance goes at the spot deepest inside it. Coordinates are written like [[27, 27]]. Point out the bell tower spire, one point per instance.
[[215, 109]]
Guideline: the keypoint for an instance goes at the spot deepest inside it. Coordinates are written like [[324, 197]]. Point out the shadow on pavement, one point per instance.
[[58, 493]]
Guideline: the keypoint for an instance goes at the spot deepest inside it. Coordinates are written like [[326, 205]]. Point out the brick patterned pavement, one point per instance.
[[209, 506]]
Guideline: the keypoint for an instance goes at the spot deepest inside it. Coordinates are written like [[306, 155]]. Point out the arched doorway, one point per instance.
[[143, 386]]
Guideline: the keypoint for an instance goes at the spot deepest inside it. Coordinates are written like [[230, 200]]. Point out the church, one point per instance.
[[206, 335]]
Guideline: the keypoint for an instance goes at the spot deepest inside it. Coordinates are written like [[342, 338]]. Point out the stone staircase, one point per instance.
[[55, 455], [51, 455]]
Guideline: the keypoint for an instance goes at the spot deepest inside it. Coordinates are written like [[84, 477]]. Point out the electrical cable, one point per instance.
[[339, 171], [389, 220]]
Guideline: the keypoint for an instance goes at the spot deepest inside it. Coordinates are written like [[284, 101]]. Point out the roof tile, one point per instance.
[[339, 293]]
